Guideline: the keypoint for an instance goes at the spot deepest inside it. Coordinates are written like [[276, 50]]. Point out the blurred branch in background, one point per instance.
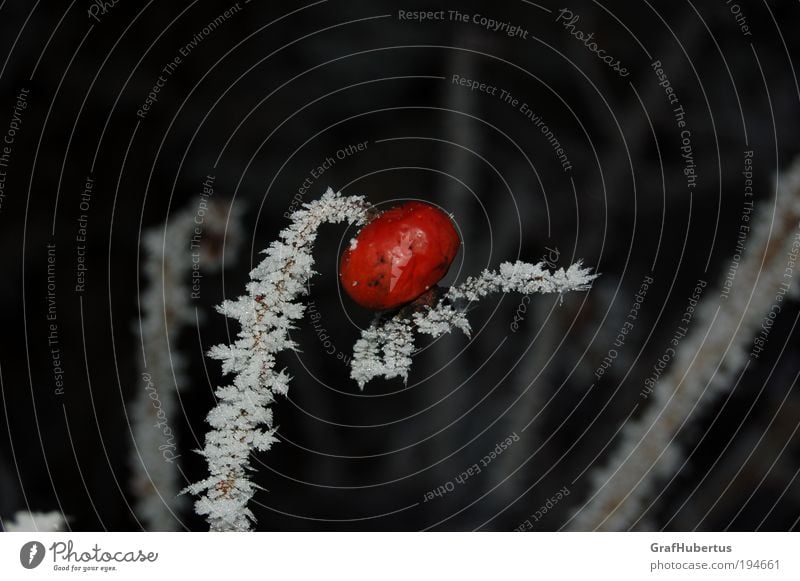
[[35, 522], [729, 335], [177, 255]]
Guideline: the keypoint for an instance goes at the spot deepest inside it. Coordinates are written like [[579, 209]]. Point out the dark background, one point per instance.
[[279, 87]]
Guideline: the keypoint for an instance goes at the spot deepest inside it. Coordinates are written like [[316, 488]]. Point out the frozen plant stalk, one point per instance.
[[242, 420]]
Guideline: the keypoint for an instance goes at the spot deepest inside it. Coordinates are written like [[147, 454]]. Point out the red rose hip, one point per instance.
[[398, 256]]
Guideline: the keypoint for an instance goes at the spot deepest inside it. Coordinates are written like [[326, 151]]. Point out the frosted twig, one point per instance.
[[242, 421], [376, 354], [190, 242], [727, 333]]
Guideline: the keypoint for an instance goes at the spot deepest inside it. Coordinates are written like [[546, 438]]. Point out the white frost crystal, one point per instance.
[[383, 351]]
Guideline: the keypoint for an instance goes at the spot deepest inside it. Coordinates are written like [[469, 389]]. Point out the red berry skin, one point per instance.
[[398, 256]]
